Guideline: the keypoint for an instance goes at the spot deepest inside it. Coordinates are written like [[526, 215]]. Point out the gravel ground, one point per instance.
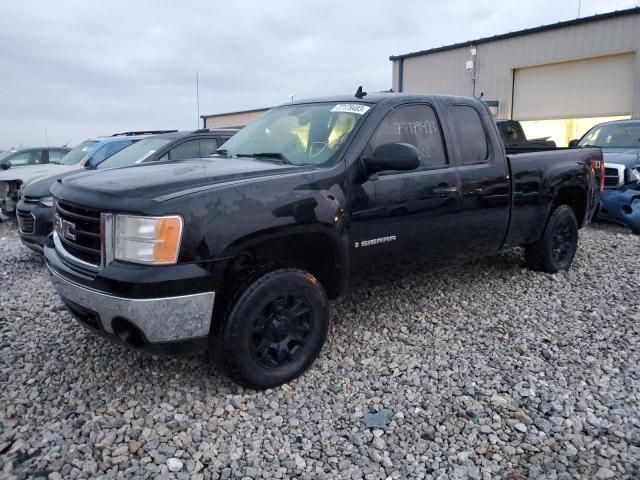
[[483, 371]]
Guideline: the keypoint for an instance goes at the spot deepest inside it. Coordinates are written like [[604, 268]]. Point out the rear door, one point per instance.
[[484, 178], [406, 217]]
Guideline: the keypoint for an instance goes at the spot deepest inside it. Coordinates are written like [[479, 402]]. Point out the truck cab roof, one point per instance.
[[382, 97]]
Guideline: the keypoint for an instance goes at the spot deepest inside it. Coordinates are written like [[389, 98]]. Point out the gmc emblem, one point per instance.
[[65, 228]]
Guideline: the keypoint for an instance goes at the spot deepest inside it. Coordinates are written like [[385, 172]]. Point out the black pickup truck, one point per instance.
[[240, 253]]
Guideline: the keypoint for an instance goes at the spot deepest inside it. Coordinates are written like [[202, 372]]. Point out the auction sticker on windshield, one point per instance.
[[351, 108]]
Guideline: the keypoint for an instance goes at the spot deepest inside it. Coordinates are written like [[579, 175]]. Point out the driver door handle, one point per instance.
[[444, 190]]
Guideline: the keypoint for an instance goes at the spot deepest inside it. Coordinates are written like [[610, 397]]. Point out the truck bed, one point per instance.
[[535, 177]]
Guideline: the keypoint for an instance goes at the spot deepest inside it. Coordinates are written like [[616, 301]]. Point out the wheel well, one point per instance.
[[316, 253], [574, 197]]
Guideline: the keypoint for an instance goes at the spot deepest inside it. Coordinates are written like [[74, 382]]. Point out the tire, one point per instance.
[[554, 252], [273, 330]]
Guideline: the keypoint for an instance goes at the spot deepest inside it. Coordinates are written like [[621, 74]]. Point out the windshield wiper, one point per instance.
[[275, 155]]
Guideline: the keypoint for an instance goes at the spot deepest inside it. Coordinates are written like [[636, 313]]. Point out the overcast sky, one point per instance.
[[86, 68]]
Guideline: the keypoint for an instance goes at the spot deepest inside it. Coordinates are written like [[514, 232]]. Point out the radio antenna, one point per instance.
[[359, 93], [198, 100]]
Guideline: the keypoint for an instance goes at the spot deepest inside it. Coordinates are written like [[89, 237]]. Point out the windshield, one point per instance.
[[136, 153], [78, 153], [297, 134], [612, 136]]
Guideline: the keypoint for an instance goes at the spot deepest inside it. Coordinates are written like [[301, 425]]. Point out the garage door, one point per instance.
[[586, 88]]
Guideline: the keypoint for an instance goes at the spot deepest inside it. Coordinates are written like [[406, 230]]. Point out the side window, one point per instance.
[[26, 158], [185, 150], [416, 125], [207, 147], [471, 140], [56, 155]]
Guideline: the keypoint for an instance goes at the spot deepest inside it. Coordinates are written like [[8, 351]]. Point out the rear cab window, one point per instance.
[[470, 138]]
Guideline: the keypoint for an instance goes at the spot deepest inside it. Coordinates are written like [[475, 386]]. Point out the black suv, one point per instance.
[[35, 209], [171, 146]]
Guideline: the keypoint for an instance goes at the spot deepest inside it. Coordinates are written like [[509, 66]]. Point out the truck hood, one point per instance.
[[628, 157], [34, 172], [134, 186], [40, 188]]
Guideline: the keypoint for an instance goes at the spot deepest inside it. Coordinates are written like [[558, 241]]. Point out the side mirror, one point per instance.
[[573, 143], [5, 165], [89, 163], [393, 156]]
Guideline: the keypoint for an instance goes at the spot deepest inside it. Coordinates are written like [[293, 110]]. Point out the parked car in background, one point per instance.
[[620, 144], [35, 210], [88, 154], [516, 141], [172, 146], [240, 253], [32, 156]]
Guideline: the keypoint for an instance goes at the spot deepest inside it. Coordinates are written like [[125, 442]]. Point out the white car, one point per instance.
[[86, 155]]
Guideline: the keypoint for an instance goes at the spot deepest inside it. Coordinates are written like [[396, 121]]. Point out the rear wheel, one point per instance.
[[273, 330], [556, 249]]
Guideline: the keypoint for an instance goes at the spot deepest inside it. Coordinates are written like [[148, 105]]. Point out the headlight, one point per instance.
[[148, 240], [46, 201], [634, 174]]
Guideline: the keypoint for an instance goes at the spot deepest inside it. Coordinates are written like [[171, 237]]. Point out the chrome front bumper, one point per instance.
[[160, 319]]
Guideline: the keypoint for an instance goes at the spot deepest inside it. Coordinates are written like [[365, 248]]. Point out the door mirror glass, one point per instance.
[[573, 143], [393, 156], [5, 165]]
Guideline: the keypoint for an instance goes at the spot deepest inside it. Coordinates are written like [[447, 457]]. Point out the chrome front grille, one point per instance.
[[613, 174], [78, 229], [27, 199], [26, 222]]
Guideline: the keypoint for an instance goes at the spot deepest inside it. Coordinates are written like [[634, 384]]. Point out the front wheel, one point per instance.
[[273, 330], [554, 252]]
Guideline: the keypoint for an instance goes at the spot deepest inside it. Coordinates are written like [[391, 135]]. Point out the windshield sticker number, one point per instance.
[[351, 108]]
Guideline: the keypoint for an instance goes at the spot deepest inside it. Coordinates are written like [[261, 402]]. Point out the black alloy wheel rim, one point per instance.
[[562, 242], [281, 331]]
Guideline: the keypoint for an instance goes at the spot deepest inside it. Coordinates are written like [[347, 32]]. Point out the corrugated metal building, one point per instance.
[[231, 119], [557, 79]]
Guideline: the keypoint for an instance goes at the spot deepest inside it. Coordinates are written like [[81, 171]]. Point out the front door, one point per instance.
[[406, 218]]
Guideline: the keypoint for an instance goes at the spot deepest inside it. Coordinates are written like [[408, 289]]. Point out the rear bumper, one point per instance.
[[167, 324], [621, 206]]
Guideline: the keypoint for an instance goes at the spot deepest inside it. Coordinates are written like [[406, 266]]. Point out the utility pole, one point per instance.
[[579, 7], [198, 100]]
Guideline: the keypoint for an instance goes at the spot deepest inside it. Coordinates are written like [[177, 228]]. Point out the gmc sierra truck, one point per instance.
[[240, 253]]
